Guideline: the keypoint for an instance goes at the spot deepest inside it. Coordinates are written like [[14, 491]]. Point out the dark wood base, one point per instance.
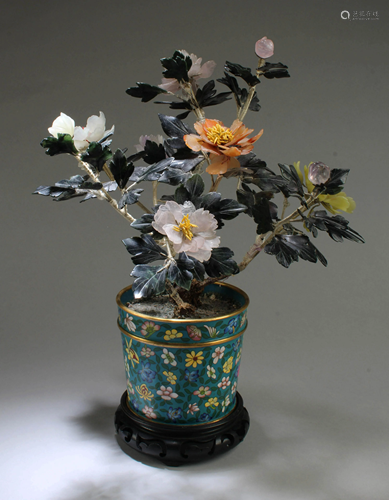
[[176, 445]]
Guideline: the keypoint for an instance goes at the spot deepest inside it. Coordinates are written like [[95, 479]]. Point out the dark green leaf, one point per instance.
[[144, 249], [149, 173], [144, 223], [274, 70], [288, 248], [154, 152], [294, 185], [177, 66], [108, 186], [130, 198], [198, 270], [232, 84], [63, 144], [150, 281], [337, 180], [174, 128], [242, 72], [121, 169], [65, 189], [195, 186], [174, 176], [145, 91], [227, 209], [97, 155], [220, 263], [179, 275], [336, 226]]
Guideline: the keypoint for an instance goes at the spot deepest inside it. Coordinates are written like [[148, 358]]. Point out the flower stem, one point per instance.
[[103, 193], [263, 239], [243, 110]]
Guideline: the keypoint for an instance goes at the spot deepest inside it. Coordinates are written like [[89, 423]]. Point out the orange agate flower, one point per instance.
[[223, 144]]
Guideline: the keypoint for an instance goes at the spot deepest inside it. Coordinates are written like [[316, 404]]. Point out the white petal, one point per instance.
[[96, 127], [62, 125]]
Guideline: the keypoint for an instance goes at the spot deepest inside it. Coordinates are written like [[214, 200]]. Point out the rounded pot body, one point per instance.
[[182, 371]]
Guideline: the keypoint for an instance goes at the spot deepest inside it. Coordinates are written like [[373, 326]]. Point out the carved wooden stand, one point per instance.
[[178, 444]]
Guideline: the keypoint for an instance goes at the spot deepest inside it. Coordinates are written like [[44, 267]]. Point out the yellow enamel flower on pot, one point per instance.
[[144, 392], [227, 367], [172, 334], [332, 202], [193, 359]]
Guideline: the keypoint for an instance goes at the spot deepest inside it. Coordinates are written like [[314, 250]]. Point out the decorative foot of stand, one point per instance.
[[179, 444]]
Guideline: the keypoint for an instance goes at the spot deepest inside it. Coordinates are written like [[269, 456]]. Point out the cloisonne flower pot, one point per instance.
[[181, 403]]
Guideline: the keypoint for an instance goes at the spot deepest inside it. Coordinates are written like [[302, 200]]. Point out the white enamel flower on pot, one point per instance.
[[189, 230], [93, 131]]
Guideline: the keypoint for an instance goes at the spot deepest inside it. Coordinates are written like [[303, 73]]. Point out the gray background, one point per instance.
[[315, 370]]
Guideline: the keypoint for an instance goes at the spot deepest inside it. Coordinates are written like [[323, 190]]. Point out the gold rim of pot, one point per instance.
[[184, 320]]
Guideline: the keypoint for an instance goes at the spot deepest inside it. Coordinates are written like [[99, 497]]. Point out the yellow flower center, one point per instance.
[[219, 135], [186, 227]]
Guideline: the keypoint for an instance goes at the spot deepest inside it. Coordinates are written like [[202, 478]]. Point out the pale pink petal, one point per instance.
[[170, 85], [173, 235], [207, 69]]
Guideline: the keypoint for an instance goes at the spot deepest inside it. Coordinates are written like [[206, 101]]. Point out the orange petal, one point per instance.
[[193, 142], [219, 165], [231, 151]]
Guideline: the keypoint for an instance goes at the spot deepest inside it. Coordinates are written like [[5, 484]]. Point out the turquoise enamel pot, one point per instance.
[[182, 371]]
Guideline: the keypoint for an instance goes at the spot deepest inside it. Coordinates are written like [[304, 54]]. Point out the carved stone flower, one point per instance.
[[264, 48], [82, 136], [196, 71], [189, 230], [224, 144]]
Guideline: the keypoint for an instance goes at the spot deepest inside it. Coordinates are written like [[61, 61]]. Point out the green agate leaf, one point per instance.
[[145, 91], [144, 249], [177, 66], [242, 72], [220, 263], [150, 281], [121, 168], [59, 145], [97, 155]]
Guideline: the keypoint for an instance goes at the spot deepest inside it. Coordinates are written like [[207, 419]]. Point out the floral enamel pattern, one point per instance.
[[182, 373], [185, 332], [182, 385]]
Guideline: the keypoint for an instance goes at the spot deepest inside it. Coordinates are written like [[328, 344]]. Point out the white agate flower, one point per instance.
[[196, 71], [62, 125], [82, 136], [93, 132], [191, 231], [144, 138]]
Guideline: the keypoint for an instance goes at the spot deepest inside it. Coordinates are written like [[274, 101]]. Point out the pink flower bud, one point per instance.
[[264, 48], [318, 173]]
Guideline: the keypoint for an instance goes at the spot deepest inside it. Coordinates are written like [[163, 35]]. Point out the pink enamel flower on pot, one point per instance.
[[189, 230], [194, 332], [166, 393]]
